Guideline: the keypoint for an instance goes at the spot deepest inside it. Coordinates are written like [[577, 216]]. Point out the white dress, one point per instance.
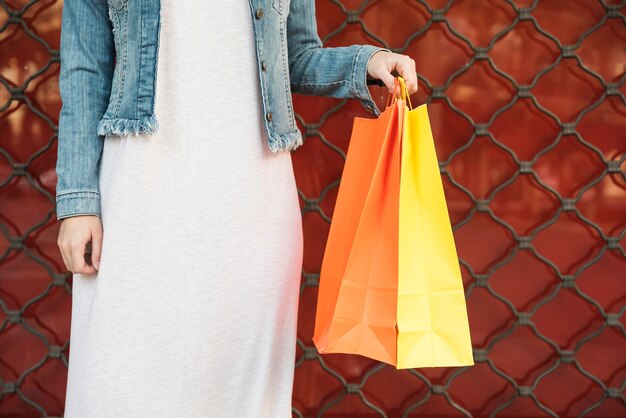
[[193, 310]]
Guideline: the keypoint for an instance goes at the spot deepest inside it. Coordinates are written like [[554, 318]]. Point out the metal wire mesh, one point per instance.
[[34, 289]]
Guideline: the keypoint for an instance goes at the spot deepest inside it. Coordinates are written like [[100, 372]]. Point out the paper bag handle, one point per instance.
[[399, 87]]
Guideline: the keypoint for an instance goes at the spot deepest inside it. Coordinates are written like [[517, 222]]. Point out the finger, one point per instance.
[[79, 264], [65, 254], [63, 249], [68, 256], [406, 68], [96, 248], [412, 77]]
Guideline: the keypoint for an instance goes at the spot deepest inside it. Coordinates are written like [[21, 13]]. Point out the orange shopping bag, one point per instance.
[[390, 284]]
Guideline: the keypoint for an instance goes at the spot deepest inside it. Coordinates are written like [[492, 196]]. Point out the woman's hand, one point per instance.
[[382, 63], [75, 236]]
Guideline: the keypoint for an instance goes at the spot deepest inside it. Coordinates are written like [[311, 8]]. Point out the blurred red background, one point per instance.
[[528, 108]]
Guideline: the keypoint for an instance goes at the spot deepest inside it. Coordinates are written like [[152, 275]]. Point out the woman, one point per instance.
[[178, 205]]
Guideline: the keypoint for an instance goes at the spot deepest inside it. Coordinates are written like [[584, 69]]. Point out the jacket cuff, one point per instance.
[[77, 203], [359, 88]]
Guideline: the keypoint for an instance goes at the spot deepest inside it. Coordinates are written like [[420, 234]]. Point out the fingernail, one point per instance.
[[96, 264]]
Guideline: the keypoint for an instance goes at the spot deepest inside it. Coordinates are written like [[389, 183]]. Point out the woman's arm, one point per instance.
[[87, 58], [334, 72]]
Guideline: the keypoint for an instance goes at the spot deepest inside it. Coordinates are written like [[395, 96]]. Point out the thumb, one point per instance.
[[382, 63], [389, 80]]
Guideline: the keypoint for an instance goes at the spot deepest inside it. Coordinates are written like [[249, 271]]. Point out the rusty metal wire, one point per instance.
[[524, 243], [13, 19]]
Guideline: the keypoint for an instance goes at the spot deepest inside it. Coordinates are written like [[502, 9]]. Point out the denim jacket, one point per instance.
[[107, 81]]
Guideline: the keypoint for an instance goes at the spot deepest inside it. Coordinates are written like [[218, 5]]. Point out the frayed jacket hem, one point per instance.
[[287, 141], [146, 124]]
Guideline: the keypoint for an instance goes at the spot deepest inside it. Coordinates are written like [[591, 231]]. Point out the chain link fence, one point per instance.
[[528, 107]]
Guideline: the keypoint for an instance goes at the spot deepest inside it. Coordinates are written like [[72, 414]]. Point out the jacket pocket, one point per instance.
[[282, 7]]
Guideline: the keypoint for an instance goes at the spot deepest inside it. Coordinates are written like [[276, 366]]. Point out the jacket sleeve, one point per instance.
[[87, 58], [325, 71]]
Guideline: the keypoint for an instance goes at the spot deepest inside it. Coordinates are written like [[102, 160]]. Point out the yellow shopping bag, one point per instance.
[[390, 284], [432, 325]]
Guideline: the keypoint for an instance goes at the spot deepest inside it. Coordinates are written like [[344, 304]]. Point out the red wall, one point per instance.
[[528, 110]]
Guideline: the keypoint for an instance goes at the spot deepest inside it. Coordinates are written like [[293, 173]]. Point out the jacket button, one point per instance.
[[259, 13], [268, 116], [263, 66]]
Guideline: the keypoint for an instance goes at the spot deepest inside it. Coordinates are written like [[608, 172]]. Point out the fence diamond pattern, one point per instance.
[[528, 108]]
